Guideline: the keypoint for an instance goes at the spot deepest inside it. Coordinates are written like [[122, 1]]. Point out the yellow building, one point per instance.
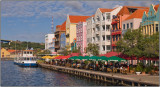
[[5, 53], [71, 22]]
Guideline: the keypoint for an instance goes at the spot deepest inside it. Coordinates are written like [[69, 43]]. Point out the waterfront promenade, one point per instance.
[[129, 79]]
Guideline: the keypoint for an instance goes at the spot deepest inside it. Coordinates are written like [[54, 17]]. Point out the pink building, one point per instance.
[[81, 37]]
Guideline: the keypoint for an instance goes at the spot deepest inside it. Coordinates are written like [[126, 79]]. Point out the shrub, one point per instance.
[[139, 67]]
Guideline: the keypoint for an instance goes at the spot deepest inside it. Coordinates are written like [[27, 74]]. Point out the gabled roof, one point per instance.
[[105, 10], [76, 19], [137, 14], [63, 26], [156, 7], [125, 10]]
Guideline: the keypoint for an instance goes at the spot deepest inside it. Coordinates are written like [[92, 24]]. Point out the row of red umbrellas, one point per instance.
[[62, 57]]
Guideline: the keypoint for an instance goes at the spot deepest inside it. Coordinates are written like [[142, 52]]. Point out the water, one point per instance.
[[13, 75]]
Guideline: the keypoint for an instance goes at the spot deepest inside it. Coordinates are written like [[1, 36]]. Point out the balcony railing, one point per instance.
[[116, 30]]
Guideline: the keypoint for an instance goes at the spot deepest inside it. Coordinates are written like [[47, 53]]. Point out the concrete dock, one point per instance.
[[117, 78]]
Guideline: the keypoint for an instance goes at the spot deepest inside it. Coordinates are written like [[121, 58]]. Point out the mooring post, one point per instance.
[[132, 83]]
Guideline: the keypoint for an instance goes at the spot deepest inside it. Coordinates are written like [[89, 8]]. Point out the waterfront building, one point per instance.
[[116, 32], [71, 22], [133, 21], [99, 28], [63, 40], [5, 53], [59, 30], [81, 37], [49, 42], [150, 20]]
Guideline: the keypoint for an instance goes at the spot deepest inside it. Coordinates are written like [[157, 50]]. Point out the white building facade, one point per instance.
[[49, 42], [99, 28]]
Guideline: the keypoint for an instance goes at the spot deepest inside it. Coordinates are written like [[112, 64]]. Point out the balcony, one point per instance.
[[115, 32]]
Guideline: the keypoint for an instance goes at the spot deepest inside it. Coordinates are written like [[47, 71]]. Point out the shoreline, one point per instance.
[[126, 80]]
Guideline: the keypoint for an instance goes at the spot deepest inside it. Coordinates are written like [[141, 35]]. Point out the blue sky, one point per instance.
[[31, 20]]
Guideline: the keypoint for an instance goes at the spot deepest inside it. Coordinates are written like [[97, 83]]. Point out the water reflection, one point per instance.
[[13, 75]]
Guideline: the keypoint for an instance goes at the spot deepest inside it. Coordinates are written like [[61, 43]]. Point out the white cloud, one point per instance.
[[60, 8]]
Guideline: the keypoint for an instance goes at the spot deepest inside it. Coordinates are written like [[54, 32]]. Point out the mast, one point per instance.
[[52, 27]]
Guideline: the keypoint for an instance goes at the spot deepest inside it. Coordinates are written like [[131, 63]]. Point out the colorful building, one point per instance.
[[133, 21], [81, 37], [99, 28], [71, 28], [150, 20], [63, 40], [116, 32], [49, 44], [60, 29], [5, 53]]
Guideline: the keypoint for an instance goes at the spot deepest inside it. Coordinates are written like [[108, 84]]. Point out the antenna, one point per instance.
[[52, 27]]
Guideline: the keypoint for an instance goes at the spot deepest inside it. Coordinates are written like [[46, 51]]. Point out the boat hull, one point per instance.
[[28, 64]]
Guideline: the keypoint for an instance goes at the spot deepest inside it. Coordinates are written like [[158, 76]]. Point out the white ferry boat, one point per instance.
[[27, 59]]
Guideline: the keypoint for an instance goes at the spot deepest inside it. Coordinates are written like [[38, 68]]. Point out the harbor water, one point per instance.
[[13, 75]]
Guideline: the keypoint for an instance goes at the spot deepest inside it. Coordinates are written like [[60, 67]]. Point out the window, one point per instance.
[[30, 52], [156, 27], [24, 52], [124, 26], [107, 15], [103, 37], [103, 48], [98, 18], [108, 47], [113, 37], [116, 27], [116, 37], [131, 24], [93, 38], [107, 27], [108, 37], [93, 29], [103, 27], [93, 20], [127, 25], [103, 18], [119, 36]]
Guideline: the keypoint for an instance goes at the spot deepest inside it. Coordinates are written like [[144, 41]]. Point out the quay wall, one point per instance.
[[115, 79]]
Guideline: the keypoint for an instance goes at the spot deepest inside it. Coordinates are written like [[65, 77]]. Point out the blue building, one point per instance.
[[62, 40], [150, 20]]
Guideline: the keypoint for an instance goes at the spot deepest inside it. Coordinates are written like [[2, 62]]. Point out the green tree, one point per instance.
[[92, 49], [135, 44]]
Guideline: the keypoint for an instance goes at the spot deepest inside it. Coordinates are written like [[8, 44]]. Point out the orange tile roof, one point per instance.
[[156, 7], [76, 19], [105, 10], [125, 10], [63, 26], [11, 51], [58, 26], [137, 14]]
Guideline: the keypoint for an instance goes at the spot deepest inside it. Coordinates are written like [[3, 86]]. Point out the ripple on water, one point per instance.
[[13, 75]]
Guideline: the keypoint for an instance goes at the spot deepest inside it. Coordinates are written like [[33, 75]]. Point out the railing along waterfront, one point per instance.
[[107, 77]]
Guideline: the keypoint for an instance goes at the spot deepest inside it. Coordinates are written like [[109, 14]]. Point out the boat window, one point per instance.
[[27, 58]]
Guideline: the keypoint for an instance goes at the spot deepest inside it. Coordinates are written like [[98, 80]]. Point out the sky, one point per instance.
[[31, 20]]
